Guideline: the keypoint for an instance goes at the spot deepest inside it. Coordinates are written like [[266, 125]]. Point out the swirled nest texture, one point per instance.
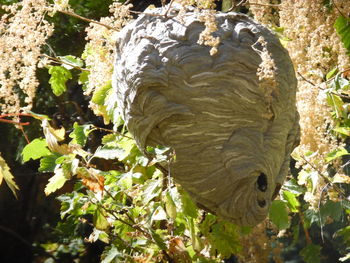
[[232, 140]]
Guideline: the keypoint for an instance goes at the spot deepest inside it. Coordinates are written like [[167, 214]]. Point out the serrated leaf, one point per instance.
[[111, 255], [331, 209], [224, 238], [108, 153], [48, 163], [100, 94], [6, 175], [100, 220], [80, 133], [342, 26], [35, 150], [336, 154], [279, 215], [311, 253], [58, 79], [292, 201], [56, 182]]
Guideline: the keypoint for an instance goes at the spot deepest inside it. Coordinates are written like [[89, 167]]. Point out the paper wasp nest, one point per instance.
[[230, 117]]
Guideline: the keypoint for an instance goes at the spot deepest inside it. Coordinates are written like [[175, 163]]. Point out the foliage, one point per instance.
[[126, 200]]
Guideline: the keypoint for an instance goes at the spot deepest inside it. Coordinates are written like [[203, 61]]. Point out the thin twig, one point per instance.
[[112, 131], [236, 5], [60, 61], [86, 19], [305, 79]]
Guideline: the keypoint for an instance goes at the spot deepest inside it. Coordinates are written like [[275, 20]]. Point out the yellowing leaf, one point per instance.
[[56, 182], [341, 178], [6, 175], [53, 136]]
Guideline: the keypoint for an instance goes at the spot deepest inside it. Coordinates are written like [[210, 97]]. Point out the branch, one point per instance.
[[86, 19]]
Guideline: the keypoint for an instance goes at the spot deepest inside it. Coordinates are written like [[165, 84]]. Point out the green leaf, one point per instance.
[[158, 239], [80, 133], [83, 79], [279, 215], [337, 103], [331, 73], [151, 190], [293, 187], [170, 206], [224, 238], [6, 175], [292, 201], [342, 26], [111, 254], [331, 209], [100, 220], [343, 130], [48, 163], [56, 182], [336, 154], [35, 150], [188, 206], [311, 253], [58, 79], [108, 153], [100, 94], [344, 233], [72, 60]]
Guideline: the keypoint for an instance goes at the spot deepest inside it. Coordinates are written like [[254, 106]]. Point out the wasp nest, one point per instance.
[[230, 117]]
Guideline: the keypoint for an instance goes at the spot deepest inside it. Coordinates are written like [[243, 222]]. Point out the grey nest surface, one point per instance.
[[232, 140]]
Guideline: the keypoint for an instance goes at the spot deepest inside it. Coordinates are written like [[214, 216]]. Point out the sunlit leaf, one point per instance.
[[48, 163], [343, 130], [35, 150], [336, 154], [111, 254], [342, 25], [56, 182], [188, 206], [80, 133], [100, 94], [292, 201], [170, 205], [71, 61], [331, 73], [279, 215], [158, 214], [100, 220], [58, 79], [6, 175]]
